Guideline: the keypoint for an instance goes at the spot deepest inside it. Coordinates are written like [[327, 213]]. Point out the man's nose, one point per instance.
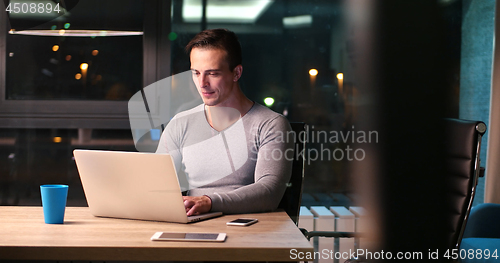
[[203, 80]]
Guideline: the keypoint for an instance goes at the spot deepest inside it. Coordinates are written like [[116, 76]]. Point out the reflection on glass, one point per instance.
[[89, 53]]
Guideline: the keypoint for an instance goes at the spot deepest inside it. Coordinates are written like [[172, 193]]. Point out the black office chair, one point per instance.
[[293, 193], [462, 148], [463, 167]]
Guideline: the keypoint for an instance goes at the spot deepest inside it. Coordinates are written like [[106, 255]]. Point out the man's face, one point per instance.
[[213, 78]]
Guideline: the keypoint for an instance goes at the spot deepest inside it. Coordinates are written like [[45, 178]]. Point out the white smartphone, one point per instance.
[[242, 222], [172, 236]]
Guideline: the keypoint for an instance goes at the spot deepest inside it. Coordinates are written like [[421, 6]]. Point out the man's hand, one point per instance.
[[197, 205]]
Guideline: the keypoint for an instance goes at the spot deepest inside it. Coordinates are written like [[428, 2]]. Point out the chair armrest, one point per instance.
[[483, 221], [481, 171]]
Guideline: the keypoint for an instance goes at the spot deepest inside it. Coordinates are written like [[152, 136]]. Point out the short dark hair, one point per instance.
[[218, 39]]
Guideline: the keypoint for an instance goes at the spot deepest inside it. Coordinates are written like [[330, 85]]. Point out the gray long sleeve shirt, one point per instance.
[[243, 168]]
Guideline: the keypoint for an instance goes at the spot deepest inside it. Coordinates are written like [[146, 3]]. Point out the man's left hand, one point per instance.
[[197, 205]]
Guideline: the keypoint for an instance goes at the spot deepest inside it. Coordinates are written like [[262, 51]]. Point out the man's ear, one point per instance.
[[237, 73]]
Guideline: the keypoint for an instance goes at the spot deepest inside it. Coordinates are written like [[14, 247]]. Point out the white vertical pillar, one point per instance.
[[344, 223], [361, 225], [306, 221], [324, 221], [492, 144]]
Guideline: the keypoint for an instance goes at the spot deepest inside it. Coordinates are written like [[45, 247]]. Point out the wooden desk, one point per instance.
[[25, 236]]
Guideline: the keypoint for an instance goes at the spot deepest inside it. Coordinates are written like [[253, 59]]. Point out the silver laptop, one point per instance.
[[133, 185]]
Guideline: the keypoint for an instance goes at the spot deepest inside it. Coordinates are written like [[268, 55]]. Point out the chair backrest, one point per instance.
[[463, 144], [293, 193]]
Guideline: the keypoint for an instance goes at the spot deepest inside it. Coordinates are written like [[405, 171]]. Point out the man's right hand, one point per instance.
[[197, 205]]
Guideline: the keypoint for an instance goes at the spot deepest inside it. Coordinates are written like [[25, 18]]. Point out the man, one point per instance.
[[231, 149]]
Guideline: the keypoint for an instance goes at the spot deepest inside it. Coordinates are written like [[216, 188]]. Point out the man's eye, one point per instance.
[[213, 74]]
